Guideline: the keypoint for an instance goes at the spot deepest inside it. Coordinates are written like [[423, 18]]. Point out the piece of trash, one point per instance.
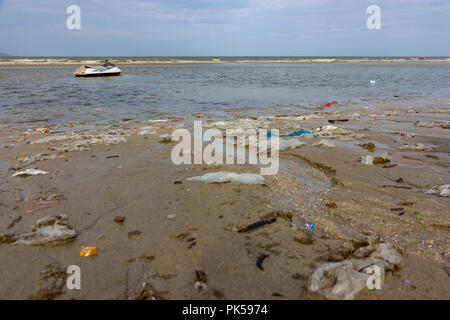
[[399, 180], [401, 213], [236, 178], [88, 251], [171, 216], [396, 209], [369, 146], [119, 219], [398, 187], [325, 144], [344, 280], [134, 233], [260, 260], [29, 172], [326, 104], [258, 224], [369, 160], [309, 226], [192, 245], [292, 134], [445, 190], [48, 229], [178, 182], [201, 280], [372, 82], [337, 120], [165, 138], [418, 217], [390, 166], [114, 156], [417, 147]]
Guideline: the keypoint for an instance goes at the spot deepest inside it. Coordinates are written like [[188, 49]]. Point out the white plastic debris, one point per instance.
[[147, 130], [29, 172], [325, 144], [372, 82], [367, 160], [222, 176], [445, 190], [417, 147]]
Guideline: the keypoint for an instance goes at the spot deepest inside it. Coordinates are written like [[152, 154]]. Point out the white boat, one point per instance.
[[106, 69]]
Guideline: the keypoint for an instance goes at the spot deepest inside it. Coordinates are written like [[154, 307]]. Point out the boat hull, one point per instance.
[[105, 74]]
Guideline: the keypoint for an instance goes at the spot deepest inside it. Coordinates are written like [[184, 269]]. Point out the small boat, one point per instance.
[[106, 69]]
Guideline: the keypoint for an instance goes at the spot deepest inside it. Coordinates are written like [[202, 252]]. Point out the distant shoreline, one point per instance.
[[72, 61]]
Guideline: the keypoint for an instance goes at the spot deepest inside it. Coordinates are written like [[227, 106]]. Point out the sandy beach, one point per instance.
[[161, 236]]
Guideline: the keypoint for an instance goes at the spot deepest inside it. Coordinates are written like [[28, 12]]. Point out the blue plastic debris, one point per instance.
[[309, 226], [292, 134]]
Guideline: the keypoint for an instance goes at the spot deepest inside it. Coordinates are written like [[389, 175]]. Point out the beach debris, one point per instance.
[[147, 293], [193, 244], [51, 283], [326, 104], [417, 215], [369, 160], [417, 147], [260, 261], [369, 146], [401, 213], [27, 160], [147, 130], [119, 219], [236, 178], [325, 144], [344, 280], [445, 190], [114, 156], [134, 233], [372, 81], [423, 124], [88, 251], [337, 120], [29, 172], [201, 280], [88, 141], [46, 203], [49, 229], [390, 166], [177, 182], [258, 224], [445, 125], [398, 187], [171, 216], [292, 134], [308, 225], [165, 138]]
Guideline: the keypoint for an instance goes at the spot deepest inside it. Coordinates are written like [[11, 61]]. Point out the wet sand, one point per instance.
[[174, 227]]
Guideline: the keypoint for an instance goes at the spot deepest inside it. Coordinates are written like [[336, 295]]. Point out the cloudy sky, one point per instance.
[[225, 28]]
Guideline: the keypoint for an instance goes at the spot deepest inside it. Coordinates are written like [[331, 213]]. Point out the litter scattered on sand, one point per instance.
[[236, 178], [369, 160], [417, 147], [89, 141], [49, 229], [344, 280], [325, 144], [445, 190], [29, 172]]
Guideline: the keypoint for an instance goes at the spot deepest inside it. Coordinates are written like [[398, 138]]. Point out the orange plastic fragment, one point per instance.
[[88, 251]]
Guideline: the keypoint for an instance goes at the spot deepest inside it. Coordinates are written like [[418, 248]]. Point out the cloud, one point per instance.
[[234, 27]]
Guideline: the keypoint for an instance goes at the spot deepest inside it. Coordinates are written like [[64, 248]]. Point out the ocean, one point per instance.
[[41, 92]]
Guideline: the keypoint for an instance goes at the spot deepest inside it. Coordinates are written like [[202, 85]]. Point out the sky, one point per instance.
[[225, 28]]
